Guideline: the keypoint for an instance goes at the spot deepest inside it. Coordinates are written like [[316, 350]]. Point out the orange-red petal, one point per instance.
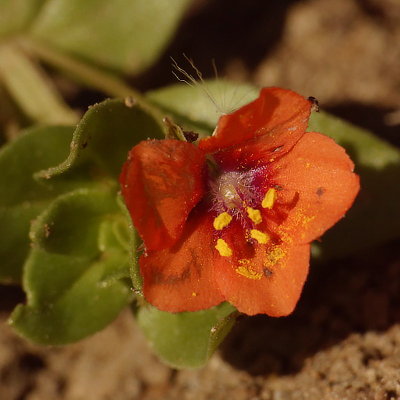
[[180, 278], [275, 120], [318, 187], [269, 282], [161, 182]]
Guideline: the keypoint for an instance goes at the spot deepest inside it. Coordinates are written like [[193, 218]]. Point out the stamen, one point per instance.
[[221, 221], [261, 237], [223, 249], [254, 215], [269, 199]]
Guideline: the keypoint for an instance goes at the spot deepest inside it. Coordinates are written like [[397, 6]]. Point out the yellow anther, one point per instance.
[[248, 272], [269, 198], [261, 237], [254, 215], [223, 249], [221, 221]]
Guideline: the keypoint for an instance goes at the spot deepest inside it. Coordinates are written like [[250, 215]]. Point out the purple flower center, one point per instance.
[[234, 192]]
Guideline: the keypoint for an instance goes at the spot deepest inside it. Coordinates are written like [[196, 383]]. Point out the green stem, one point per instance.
[[31, 89], [87, 74]]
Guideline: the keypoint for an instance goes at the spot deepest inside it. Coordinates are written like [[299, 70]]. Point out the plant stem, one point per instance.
[[87, 74], [31, 89]]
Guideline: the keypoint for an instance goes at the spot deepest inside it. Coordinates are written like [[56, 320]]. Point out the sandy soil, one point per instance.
[[343, 341]]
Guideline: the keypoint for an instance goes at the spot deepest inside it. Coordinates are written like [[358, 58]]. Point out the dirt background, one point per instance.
[[343, 340]]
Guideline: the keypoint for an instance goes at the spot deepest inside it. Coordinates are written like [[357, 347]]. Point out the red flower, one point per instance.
[[232, 218]]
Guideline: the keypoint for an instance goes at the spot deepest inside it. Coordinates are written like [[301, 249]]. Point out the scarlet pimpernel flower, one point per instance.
[[232, 217]]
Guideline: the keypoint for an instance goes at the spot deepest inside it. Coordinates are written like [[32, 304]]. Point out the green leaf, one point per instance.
[[32, 151], [188, 339], [199, 107], [105, 134], [56, 229], [95, 156], [375, 217], [15, 15], [22, 197], [91, 41], [125, 35], [103, 138], [22, 76], [72, 276], [132, 243]]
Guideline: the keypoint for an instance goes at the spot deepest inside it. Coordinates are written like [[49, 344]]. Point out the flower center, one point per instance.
[[239, 195], [234, 188], [242, 196]]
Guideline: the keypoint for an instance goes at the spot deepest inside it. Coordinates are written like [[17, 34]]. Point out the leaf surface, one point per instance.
[[75, 275], [22, 198], [124, 35], [188, 339]]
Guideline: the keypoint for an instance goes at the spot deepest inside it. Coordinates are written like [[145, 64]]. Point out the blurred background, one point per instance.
[[344, 339]]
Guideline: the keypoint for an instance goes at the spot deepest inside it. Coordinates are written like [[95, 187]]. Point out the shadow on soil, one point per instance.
[[224, 30]]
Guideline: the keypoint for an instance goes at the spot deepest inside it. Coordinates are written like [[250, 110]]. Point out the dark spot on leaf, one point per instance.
[[84, 145], [320, 191]]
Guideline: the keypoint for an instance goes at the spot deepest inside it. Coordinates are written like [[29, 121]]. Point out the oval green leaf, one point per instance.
[[124, 35], [72, 276], [199, 106], [188, 339], [104, 136], [16, 15], [22, 198]]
